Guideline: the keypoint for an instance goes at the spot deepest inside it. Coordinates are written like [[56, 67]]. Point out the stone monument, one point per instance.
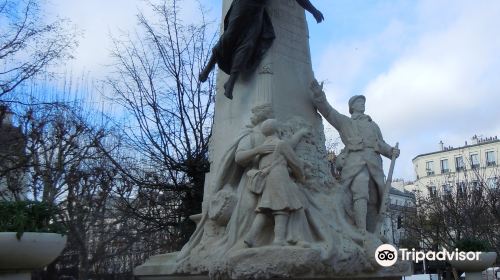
[[271, 207]]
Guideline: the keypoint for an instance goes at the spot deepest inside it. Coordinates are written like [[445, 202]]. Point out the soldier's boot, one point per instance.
[[360, 211]]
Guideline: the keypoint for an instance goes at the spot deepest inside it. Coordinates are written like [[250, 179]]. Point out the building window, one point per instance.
[[474, 161], [461, 187], [429, 167], [444, 166], [490, 158], [432, 190], [400, 222], [459, 164], [446, 188], [492, 182]]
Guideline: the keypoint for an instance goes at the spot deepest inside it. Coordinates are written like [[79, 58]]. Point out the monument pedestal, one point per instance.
[[15, 275], [266, 263]]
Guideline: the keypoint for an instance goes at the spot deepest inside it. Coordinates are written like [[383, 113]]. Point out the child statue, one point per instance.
[[274, 183]]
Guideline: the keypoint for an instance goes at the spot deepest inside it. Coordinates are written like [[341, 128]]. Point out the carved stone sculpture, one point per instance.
[[263, 217], [274, 186], [361, 164], [282, 222]]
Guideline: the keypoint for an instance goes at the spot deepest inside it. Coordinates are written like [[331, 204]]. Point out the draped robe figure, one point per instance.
[[248, 34]]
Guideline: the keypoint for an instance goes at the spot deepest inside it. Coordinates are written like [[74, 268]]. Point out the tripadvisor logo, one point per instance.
[[387, 255]]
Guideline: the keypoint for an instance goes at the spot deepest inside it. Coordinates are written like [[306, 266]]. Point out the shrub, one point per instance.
[[472, 245], [29, 216]]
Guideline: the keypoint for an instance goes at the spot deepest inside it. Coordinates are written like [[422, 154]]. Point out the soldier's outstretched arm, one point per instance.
[[308, 6], [325, 109]]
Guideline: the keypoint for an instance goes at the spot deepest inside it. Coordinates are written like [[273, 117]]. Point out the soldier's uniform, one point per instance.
[[362, 164]]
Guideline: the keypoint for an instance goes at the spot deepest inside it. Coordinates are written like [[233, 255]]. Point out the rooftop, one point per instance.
[[477, 142], [400, 193]]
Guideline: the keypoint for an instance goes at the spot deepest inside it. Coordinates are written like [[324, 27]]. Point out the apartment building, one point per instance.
[[12, 153], [401, 203], [474, 164]]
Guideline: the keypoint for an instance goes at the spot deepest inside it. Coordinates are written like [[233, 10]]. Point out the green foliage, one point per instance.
[[28, 216], [472, 245]]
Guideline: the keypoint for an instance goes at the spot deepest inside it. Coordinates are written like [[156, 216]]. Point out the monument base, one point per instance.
[[15, 275], [205, 277], [257, 264]]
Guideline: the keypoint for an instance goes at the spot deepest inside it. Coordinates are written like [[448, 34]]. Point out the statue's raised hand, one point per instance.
[[318, 95]]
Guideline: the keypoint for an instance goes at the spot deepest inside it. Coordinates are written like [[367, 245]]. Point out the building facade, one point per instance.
[[450, 169], [12, 158], [400, 204]]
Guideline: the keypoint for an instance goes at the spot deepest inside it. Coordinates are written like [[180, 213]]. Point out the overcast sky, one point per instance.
[[430, 69]]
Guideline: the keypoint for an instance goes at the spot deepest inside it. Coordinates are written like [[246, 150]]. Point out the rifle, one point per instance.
[[385, 197]]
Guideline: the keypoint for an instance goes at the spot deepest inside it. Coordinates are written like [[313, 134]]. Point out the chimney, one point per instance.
[[475, 139], [441, 145]]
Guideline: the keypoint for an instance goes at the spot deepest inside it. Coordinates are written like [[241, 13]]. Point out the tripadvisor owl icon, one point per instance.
[[386, 255]]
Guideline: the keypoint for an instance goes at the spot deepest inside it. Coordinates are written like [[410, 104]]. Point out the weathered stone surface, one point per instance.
[[321, 241], [205, 277]]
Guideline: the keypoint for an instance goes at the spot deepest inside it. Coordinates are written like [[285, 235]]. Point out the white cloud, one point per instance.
[[430, 77], [99, 19], [445, 87], [342, 64]]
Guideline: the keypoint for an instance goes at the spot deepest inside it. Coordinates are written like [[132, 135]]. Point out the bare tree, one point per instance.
[[156, 81], [122, 203], [66, 164], [467, 208], [28, 45], [98, 231]]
